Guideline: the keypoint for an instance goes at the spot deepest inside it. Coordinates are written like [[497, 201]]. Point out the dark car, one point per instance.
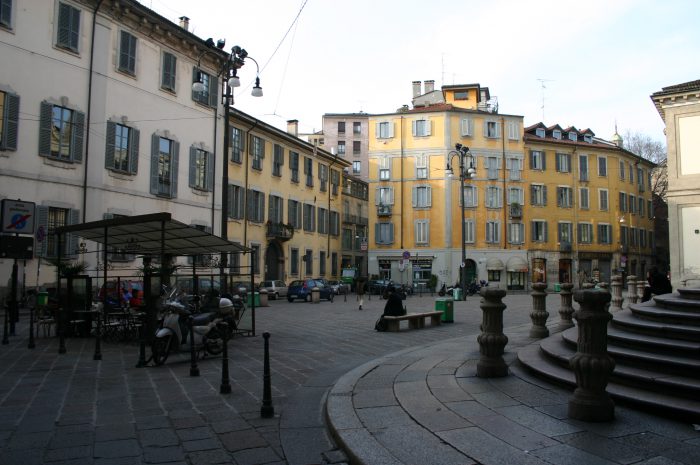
[[301, 289], [240, 288], [339, 287], [378, 286]]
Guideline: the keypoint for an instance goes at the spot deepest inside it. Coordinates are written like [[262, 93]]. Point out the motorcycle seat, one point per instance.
[[203, 318]]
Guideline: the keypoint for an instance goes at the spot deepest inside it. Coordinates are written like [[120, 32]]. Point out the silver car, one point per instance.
[[275, 288]]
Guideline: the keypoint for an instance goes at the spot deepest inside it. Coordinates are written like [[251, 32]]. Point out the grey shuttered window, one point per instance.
[[122, 148], [164, 166], [9, 122], [127, 53], [68, 27], [61, 133], [201, 169], [169, 72], [210, 94]]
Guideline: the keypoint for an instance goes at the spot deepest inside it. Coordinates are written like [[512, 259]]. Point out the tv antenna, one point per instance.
[[542, 81]]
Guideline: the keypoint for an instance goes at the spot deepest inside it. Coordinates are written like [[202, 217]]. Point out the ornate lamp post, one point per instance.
[[466, 171]]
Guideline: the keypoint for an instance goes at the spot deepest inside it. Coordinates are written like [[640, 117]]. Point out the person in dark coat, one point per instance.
[[360, 288], [394, 305], [659, 283]]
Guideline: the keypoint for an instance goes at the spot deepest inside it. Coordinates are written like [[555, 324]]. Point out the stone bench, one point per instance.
[[415, 320]]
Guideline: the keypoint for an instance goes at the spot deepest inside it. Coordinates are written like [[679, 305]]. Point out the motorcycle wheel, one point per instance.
[[161, 349]]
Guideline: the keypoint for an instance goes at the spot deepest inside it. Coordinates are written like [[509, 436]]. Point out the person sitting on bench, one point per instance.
[[394, 305]]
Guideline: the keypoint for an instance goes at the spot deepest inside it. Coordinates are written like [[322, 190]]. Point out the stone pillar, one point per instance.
[[264, 298], [640, 290], [592, 364], [492, 341], [566, 310], [539, 313], [632, 289], [616, 293]]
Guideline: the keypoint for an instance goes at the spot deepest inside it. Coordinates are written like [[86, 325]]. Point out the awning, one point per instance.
[[153, 234], [517, 264], [494, 263]]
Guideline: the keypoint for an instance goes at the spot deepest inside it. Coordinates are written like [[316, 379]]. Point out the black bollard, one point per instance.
[[31, 344], [5, 340], [225, 381], [61, 332], [98, 341], [267, 410], [194, 369], [142, 342]]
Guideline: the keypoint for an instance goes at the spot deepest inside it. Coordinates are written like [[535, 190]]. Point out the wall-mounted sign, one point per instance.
[[17, 216]]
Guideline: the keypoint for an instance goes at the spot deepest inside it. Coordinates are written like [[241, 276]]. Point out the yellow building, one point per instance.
[[285, 200]]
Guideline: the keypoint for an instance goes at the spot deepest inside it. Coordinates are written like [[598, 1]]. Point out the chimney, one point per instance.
[[416, 89], [293, 127], [429, 86], [185, 23]]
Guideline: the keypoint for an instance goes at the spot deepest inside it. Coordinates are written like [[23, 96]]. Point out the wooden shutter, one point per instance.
[[45, 128], [544, 160], [42, 220], [109, 145], [155, 150], [544, 195], [391, 129], [193, 166], [174, 169], [64, 19], [413, 127], [78, 136], [135, 136], [214, 91], [11, 120], [72, 239], [532, 195]]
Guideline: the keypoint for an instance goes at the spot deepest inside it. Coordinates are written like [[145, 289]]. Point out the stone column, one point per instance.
[[616, 293], [539, 313], [592, 364], [632, 289], [566, 310], [640, 290], [492, 341]]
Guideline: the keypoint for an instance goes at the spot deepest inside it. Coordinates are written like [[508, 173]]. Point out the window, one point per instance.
[[237, 145], [421, 128], [624, 235], [556, 134], [422, 166], [494, 275], [585, 233], [255, 257], [492, 167], [127, 53], [603, 199], [604, 234], [322, 221], [537, 160], [275, 209], [385, 130], [513, 130], [563, 162], [341, 147], [538, 194], [515, 167], [201, 169], [515, 195], [9, 120], [385, 196], [384, 233], [631, 172], [68, 29], [539, 231], [258, 151], [640, 179], [168, 73], [602, 166], [471, 196], [309, 171], [650, 209], [341, 127], [356, 167], [622, 170], [623, 202], [565, 232], [588, 138], [469, 233], [493, 232], [235, 262], [384, 169], [200, 259], [256, 206], [583, 167], [334, 263], [236, 196], [422, 197], [277, 160], [642, 238], [633, 204], [356, 147], [573, 136], [634, 236], [323, 177], [309, 218], [516, 233], [564, 197], [51, 218], [584, 202], [467, 126], [492, 129], [61, 133], [461, 95], [335, 223], [209, 95], [539, 132], [294, 262], [322, 263], [294, 213], [494, 197], [640, 206], [294, 165], [422, 232], [6, 13], [335, 181], [357, 127]]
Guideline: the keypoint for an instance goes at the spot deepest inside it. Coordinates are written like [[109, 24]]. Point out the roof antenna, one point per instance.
[[542, 81]]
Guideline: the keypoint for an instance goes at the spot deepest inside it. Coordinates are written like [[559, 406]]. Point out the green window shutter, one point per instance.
[[109, 144], [194, 78], [229, 193], [174, 171], [78, 136], [213, 91], [414, 196], [11, 120], [45, 116], [42, 220], [377, 130], [6, 12], [557, 162], [544, 195], [544, 160], [72, 239], [413, 127], [134, 150], [193, 166], [155, 146], [391, 233], [532, 195], [377, 239], [250, 205], [210, 172], [64, 32], [545, 231], [429, 196]]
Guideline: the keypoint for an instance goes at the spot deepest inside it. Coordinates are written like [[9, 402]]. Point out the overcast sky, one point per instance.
[[599, 61]]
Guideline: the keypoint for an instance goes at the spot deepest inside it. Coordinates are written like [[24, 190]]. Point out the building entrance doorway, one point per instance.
[[469, 271], [274, 261]]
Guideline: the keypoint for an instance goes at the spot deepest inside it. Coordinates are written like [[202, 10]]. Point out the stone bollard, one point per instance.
[[566, 310], [539, 313], [640, 290], [592, 364], [632, 289], [315, 295], [492, 341], [617, 299], [264, 296]]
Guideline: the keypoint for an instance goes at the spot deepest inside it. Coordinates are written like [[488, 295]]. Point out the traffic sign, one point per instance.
[[406, 254], [17, 216]]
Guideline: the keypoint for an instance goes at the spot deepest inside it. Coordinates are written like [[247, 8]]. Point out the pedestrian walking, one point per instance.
[[360, 289]]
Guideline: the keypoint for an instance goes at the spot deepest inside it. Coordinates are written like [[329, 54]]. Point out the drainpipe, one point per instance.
[[89, 104], [401, 185], [505, 192], [328, 232]]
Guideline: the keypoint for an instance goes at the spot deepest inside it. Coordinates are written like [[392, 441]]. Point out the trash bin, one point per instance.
[[457, 292], [42, 298], [557, 287], [257, 299], [315, 295], [447, 307]]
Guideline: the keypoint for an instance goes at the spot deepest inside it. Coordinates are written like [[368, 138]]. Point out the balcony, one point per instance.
[[384, 210], [280, 231], [364, 221], [516, 210], [565, 246]]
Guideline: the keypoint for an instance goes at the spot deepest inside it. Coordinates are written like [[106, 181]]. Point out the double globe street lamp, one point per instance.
[[466, 171]]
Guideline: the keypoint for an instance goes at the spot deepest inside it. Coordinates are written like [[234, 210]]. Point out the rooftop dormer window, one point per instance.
[[461, 95], [588, 138], [556, 134], [573, 136], [539, 132]]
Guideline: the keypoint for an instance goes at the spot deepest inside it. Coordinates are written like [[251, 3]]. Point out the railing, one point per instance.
[[384, 210], [516, 211], [280, 231]]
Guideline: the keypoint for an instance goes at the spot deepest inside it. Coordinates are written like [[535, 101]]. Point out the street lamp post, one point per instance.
[[236, 59], [466, 171]]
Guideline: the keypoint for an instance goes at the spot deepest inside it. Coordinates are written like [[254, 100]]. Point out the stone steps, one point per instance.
[[670, 312], [627, 321]]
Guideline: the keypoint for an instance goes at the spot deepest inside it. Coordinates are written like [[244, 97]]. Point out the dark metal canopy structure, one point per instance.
[[152, 234]]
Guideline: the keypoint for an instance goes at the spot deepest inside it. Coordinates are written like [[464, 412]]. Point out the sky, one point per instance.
[[588, 64]]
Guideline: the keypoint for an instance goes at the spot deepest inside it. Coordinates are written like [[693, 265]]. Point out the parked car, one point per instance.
[[378, 286], [275, 288], [339, 287], [301, 289]]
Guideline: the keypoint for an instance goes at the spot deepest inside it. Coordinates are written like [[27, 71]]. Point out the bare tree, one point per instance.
[[654, 151]]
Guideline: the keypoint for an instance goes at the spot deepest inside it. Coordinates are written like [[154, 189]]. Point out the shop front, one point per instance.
[[516, 274]]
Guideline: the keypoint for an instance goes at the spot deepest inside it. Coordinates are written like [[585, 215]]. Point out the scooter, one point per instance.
[[173, 333]]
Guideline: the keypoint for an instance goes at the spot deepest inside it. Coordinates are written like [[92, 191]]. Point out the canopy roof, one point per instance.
[[517, 264], [154, 234]]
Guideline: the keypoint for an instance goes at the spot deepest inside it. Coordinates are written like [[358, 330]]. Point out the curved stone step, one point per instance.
[[673, 302], [627, 320], [652, 342], [669, 314], [689, 293]]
